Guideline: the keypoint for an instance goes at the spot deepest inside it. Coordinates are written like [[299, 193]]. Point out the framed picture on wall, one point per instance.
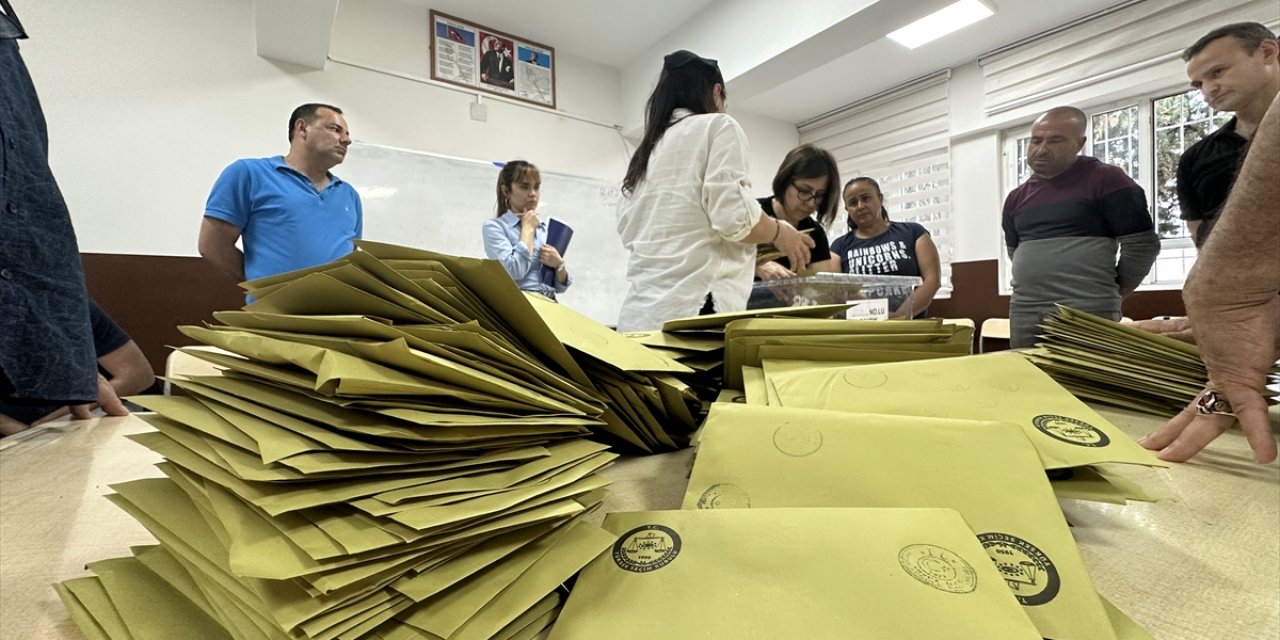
[[474, 56]]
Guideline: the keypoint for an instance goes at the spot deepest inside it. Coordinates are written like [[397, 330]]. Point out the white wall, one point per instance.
[[146, 106]]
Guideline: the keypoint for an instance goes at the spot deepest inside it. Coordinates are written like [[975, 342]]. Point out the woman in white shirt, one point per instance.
[[687, 215]]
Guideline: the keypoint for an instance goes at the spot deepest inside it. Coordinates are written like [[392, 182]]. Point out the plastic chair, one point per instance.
[[993, 328]]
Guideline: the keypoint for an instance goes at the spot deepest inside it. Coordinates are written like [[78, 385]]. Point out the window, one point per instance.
[[1152, 133], [1114, 139], [923, 194], [902, 139]]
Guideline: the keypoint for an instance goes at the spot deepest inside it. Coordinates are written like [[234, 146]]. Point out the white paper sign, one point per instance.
[[874, 309]]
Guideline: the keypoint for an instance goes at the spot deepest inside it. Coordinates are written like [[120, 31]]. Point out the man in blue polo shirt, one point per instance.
[[290, 211]]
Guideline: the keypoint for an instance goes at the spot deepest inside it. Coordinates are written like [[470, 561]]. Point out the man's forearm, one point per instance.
[[227, 259]]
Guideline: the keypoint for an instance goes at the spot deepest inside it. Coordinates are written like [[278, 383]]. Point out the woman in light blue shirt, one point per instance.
[[517, 237]]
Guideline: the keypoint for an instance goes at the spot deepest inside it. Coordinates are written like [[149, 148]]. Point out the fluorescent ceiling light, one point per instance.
[[951, 18]]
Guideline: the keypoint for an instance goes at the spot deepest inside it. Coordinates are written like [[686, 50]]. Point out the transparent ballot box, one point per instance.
[[876, 296]]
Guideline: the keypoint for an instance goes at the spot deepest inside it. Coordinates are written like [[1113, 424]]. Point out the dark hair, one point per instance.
[[804, 162], [1249, 35], [688, 82], [512, 172], [307, 113], [876, 185]]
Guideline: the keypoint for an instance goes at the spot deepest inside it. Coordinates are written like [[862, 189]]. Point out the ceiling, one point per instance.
[[824, 76]]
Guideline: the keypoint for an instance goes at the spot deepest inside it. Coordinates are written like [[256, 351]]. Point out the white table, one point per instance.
[[1203, 563]]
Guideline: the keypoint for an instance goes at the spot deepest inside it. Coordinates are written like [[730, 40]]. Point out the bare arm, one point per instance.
[[130, 372], [830, 265], [1231, 299], [218, 245], [930, 273], [783, 236]]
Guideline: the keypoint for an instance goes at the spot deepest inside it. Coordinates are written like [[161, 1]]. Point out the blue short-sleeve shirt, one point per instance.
[[285, 224]]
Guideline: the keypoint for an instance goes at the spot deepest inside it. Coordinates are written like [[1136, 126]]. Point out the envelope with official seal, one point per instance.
[[1001, 386], [818, 574], [768, 457]]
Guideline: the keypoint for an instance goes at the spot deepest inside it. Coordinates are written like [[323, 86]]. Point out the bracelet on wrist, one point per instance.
[[777, 230]]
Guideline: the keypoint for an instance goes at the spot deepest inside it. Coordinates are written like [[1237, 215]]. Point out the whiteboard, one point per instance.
[[439, 203]]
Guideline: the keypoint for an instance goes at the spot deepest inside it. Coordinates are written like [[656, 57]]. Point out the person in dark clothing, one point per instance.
[[804, 186], [1236, 68], [46, 348]]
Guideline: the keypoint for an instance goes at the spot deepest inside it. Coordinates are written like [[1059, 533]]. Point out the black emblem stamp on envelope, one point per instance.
[[724, 496], [797, 440], [1071, 431], [938, 567], [646, 548], [1028, 571]]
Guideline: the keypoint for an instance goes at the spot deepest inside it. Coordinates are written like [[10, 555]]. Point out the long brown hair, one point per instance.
[[688, 81], [512, 172], [805, 162]]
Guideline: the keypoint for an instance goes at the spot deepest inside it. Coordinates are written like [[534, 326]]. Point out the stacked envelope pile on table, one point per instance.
[[649, 405], [748, 342], [1105, 361], [396, 449], [832, 524]]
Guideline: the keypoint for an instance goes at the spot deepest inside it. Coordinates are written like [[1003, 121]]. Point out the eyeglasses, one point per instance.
[[808, 195]]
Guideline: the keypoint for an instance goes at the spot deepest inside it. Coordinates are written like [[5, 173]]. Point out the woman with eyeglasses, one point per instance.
[[876, 245], [687, 215], [804, 185]]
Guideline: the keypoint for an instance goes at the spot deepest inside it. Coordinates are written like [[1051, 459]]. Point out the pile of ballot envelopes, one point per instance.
[[1118, 364], [846, 501], [396, 448], [402, 445]]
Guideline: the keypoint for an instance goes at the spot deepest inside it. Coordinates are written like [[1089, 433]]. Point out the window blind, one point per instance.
[[902, 139], [1134, 37]]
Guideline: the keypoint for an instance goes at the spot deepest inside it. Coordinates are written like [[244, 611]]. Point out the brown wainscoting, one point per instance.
[[976, 294], [149, 296]]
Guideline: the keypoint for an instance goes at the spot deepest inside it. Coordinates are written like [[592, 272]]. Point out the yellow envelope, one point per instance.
[[817, 574], [685, 342], [764, 457], [91, 608], [1000, 386], [489, 281], [601, 342], [719, 320], [137, 594]]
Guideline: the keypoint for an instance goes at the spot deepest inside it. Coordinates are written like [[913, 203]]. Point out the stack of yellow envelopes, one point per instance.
[[1106, 361], [1066, 433], [700, 351], [395, 449], [816, 574], [649, 407], [750, 341], [768, 457]]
